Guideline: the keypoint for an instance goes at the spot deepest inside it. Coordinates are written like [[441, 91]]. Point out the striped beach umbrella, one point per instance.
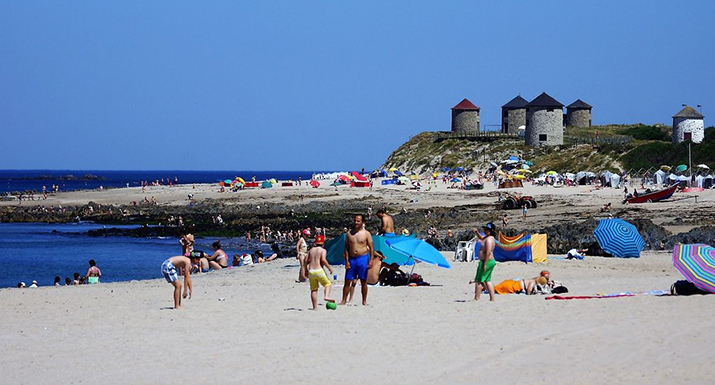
[[619, 238], [697, 264]]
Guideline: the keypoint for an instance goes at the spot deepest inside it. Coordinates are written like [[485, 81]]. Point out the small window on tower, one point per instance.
[[688, 136], [542, 137]]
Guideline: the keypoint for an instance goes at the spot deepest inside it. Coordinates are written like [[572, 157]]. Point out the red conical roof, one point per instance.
[[465, 105]]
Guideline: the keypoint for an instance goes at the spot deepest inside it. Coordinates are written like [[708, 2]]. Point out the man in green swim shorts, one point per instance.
[[486, 262]]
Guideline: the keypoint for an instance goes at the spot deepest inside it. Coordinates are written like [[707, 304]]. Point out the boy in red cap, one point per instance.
[[314, 262]]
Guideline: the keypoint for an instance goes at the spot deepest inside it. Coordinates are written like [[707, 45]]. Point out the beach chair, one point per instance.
[[464, 252]]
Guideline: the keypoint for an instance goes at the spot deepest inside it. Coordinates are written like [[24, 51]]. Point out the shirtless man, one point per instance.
[[170, 273], [387, 227], [358, 254], [486, 262], [314, 262]]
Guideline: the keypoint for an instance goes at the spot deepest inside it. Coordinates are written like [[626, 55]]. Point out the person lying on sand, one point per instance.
[[170, 269], [517, 286]]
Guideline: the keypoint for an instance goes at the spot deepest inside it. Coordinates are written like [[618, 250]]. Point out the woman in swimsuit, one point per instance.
[[218, 260], [302, 248]]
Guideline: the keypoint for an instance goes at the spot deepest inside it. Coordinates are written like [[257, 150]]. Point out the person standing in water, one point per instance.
[[483, 277], [93, 273], [302, 250], [358, 254]]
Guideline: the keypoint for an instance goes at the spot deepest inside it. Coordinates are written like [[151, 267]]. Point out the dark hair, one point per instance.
[[275, 248], [216, 245], [57, 279], [258, 253], [362, 217], [76, 275], [68, 281], [382, 211], [92, 262]]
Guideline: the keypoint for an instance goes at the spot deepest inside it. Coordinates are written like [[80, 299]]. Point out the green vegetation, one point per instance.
[[655, 154], [643, 132], [650, 148]]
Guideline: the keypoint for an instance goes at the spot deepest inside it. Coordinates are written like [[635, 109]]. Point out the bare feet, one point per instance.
[[365, 304], [342, 303], [178, 308], [329, 299]]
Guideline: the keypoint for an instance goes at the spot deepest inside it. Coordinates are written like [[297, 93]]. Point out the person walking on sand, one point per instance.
[[170, 273], [93, 273], [302, 252], [315, 263], [359, 254], [387, 225], [486, 262]]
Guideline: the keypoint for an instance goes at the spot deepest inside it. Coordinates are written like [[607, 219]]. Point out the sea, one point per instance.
[[41, 251], [69, 180]]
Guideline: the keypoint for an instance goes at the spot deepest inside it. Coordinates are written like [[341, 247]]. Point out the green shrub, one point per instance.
[[643, 132]]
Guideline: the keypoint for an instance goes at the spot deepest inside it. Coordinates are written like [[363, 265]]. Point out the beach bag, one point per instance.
[[685, 288], [395, 278], [559, 290]]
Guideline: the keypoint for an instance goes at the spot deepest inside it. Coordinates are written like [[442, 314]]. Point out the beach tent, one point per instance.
[[358, 177], [266, 184], [523, 248]]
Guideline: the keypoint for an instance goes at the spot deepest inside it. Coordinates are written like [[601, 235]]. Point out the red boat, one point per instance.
[[654, 196]]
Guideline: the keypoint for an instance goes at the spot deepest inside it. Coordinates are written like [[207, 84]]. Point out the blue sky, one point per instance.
[[306, 85]]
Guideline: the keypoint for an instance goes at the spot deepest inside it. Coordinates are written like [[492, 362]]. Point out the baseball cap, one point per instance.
[[490, 226], [306, 232], [320, 239]]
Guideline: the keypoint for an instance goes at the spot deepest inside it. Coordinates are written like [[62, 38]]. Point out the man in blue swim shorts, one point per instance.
[[358, 254]]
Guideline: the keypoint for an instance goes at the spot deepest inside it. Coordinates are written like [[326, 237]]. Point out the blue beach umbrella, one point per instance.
[[446, 169], [619, 238], [454, 180], [398, 173], [336, 246], [459, 169], [513, 158], [419, 250]]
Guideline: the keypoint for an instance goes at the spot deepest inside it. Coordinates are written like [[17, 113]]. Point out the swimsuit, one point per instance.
[[92, 280], [486, 276], [318, 277], [169, 271], [358, 268]]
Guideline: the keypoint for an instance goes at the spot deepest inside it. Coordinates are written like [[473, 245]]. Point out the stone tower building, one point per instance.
[[544, 122], [578, 114], [688, 125], [513, 115], [465, 117]]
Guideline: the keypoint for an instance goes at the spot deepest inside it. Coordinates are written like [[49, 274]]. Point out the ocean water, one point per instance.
[[24, 180], [40, 251]]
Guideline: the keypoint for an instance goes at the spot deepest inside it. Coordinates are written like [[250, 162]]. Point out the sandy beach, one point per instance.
[[252, 325]]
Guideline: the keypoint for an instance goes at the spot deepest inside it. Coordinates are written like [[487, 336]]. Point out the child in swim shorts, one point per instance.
[[171, 269], [314, 263]]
